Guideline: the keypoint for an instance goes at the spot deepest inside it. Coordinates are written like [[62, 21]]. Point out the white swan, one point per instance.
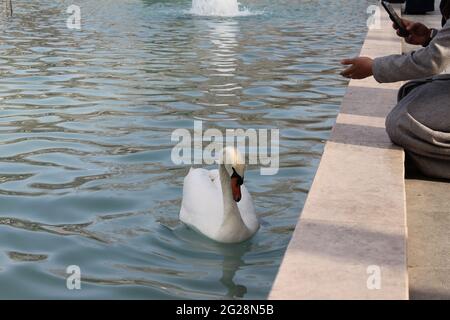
[[217, 204]]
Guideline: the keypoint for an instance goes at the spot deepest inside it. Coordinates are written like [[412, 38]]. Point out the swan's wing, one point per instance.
[[247, 210], [202, 207]]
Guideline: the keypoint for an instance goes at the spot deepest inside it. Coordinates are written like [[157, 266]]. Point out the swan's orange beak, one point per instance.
[[236, 188]]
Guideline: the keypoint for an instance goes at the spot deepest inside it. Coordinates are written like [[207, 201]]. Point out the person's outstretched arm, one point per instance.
[[424, 62]]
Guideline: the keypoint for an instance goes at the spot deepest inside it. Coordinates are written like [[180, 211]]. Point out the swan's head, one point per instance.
[[234, 163]]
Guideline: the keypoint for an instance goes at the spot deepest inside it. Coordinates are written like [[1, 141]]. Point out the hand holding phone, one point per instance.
[[396, 19]]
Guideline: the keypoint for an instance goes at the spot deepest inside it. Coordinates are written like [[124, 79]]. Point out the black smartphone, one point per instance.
[[395, 18]]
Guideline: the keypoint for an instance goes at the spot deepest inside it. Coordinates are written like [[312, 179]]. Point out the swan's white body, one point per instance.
[[209, 208]]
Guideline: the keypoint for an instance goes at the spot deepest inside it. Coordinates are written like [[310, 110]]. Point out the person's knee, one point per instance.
[[392, 125]]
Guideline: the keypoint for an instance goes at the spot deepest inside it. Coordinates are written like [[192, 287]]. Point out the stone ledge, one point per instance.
[[355, 213]]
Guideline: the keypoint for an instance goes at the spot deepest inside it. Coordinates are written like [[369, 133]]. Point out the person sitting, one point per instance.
[[420, 122]]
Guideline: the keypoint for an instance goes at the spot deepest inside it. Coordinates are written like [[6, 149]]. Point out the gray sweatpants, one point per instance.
[[420, 123]]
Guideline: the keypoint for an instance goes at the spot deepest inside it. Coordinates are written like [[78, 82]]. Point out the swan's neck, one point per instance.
[[231, 216]]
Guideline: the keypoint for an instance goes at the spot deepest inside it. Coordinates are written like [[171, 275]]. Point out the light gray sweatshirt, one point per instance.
[[422, 63]]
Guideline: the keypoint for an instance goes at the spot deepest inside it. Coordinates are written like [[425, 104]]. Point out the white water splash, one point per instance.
[[222, 8]]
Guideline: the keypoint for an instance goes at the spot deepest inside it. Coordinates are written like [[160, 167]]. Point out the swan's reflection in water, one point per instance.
[[229, 258], [232, 261]]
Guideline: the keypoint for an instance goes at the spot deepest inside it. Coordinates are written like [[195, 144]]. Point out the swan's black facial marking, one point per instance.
[[240, 180]]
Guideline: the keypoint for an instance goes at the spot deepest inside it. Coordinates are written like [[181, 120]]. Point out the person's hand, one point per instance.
[[360, 68], [419, 34]]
